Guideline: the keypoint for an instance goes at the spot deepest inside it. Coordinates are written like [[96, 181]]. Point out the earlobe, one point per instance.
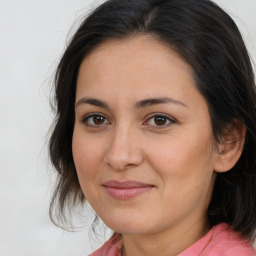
[[231, 146]]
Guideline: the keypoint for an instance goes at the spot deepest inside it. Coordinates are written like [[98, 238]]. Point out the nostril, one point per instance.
[[123, 151], [123, 160]]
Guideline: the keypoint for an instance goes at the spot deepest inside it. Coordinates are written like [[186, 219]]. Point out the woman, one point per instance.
[[155, 127]]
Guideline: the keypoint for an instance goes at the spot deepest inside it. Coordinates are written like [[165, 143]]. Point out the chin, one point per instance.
[[128, 229], [128, 225]]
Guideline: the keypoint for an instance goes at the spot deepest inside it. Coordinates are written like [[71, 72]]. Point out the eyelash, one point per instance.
[[93, 115], [167, 118], [161, 115]]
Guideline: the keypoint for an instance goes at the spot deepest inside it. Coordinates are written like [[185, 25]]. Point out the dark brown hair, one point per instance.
[[209, 40]]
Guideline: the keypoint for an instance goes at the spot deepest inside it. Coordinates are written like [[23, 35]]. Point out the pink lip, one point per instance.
[[126, 189]]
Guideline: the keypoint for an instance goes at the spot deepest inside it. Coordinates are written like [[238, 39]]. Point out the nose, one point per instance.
[[124, 151]]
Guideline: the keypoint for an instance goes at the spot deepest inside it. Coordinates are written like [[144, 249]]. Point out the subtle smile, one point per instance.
[[126, 189]]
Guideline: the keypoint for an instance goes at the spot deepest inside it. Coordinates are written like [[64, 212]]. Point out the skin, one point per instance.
[[178, 157]]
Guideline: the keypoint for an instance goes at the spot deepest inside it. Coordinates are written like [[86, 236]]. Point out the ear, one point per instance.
[[231, 146]]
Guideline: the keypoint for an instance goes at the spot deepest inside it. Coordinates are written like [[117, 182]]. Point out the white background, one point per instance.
[[32, 37]]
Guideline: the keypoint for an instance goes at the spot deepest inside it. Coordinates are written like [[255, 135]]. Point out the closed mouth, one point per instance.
[[126, 189]]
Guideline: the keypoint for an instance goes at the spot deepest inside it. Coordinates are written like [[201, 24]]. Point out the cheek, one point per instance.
[[186, 171], [183, 160], [87, 157]]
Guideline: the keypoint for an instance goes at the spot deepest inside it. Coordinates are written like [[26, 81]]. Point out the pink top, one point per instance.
[[219, 241]]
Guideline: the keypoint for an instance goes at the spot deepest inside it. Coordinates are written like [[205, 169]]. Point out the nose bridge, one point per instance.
[[123, 149]]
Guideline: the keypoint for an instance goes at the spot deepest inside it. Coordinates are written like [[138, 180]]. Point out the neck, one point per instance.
[[169, 243]]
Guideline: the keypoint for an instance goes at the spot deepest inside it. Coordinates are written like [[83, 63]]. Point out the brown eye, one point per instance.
[[160, 120], [95, 120]]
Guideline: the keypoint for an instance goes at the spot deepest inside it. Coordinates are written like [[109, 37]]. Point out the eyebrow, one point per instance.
[[155, 101], [140, 104], [92, 101]]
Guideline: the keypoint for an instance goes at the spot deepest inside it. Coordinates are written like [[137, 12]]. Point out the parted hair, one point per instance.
[[207, 38]]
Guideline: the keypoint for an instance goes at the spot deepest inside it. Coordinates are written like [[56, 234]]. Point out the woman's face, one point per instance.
[[142, 143]]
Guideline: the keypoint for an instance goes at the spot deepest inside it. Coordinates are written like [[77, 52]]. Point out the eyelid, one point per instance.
[[87, 116], [150, 116], [168, 117]]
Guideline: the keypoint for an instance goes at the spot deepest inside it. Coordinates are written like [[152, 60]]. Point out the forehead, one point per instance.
[[138, 54], [136, 67]]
